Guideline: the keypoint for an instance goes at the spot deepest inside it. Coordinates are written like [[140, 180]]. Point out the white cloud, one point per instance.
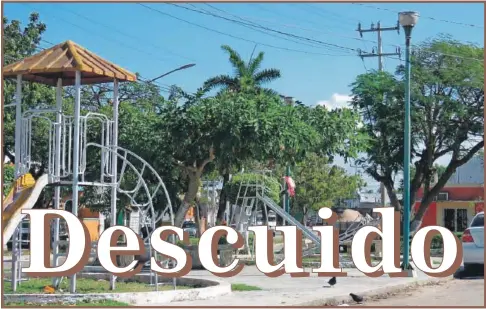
[[336, 101]]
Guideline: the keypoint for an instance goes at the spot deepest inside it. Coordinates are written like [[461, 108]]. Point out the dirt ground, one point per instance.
[[465, 292]]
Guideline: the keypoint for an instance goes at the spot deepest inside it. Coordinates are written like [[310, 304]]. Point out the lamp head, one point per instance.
[[408, 19]]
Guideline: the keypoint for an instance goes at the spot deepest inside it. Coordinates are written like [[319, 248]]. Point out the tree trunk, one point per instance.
[[188, 200], [197, 220], [194, 174], [393, 197], [203, 215], [419, 215], [223, 197]]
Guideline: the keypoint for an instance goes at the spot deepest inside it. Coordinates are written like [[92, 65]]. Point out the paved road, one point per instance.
[[465, 292], [286, 291]]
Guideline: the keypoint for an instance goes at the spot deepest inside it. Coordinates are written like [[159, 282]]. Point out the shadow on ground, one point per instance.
[[461, 273]]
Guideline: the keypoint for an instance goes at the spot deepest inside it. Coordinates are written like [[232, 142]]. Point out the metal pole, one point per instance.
[[114, 162], [57, 171], [18, 124], [287, 195], [380, 49], [380, 68], [406, 155], [77, 111], [284, 200], [14, 259]]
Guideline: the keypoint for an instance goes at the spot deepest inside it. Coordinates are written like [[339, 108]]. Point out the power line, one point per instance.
[[108, 38], [256, 25], [379, 53], [329, 45], [323, 31], [315, 11], [343, 36], [128, 35], [309, 39], [234, 36], [427, 17]]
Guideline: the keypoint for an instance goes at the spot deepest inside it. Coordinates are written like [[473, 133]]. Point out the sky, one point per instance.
[[317, 67]]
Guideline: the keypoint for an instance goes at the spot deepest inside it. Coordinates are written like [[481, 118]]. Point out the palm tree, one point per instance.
[[247, 75]]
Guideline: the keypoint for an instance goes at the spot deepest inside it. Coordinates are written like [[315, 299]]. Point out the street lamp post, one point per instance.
[[187, 66], [408, 20]]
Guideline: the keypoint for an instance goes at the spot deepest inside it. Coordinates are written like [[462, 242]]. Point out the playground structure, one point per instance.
[[75, 158], [70, 143], [253, 198]]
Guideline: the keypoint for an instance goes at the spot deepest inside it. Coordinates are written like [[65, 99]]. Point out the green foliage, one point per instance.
[[8, 178], [193, 241], [243, 287], [20, 43], [272, 184], [447, 114], [319, 184], [338, 131], [247, 76]]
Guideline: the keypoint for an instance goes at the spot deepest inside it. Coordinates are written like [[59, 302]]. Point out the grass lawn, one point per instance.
[[240, 287], [99, 303], [84, 286]]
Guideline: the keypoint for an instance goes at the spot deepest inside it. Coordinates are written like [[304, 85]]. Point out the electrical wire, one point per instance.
[[422, 16], [332, 33], [91, 32], [261, 31], [322, 31], [312, 40], [315, 11], [158, 47], [234, 36], [329, 45]]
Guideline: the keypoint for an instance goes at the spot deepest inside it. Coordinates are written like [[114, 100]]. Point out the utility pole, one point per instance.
[[379, 54]]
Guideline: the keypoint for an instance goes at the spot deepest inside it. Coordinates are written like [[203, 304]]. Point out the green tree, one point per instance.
[[8, 178], [246, 76], [319, 184], [20, 43], [225, 131], [447, 110]]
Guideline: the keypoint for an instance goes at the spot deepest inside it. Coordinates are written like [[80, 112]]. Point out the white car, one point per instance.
[[473, 245]]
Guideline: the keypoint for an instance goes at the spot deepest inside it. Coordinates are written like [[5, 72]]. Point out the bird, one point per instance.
[[332, 281], [356, 298]]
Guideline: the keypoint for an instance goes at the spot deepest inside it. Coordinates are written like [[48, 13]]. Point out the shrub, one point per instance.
[[194, 241]]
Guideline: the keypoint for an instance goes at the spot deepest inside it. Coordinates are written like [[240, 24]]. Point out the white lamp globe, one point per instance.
[[408, 19]]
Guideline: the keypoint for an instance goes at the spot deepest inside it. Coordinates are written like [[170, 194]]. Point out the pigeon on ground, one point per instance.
[[332, 281], [356, 298]]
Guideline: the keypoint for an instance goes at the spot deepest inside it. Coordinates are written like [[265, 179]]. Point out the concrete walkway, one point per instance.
[[287, 291]]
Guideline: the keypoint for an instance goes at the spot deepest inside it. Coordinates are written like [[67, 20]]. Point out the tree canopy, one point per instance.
[[447, 110], [247, 75]]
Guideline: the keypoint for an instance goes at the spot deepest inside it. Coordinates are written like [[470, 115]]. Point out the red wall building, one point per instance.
[[460, 199]]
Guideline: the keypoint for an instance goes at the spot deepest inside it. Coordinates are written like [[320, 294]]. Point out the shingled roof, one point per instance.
[[62, 61]]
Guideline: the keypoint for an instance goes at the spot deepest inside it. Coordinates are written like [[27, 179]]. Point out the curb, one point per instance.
[[218, 288], [345, 299]]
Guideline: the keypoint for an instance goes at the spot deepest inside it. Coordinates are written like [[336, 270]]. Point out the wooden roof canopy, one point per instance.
[[62, 61]]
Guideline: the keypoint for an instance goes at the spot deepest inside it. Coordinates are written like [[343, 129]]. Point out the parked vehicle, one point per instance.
[[190, 227], [473, 245]]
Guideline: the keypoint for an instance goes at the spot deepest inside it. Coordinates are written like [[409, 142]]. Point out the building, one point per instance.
[[461, 198]]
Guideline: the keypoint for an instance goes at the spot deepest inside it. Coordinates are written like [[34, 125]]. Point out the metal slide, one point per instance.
[[23, 195], [279, 210]]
